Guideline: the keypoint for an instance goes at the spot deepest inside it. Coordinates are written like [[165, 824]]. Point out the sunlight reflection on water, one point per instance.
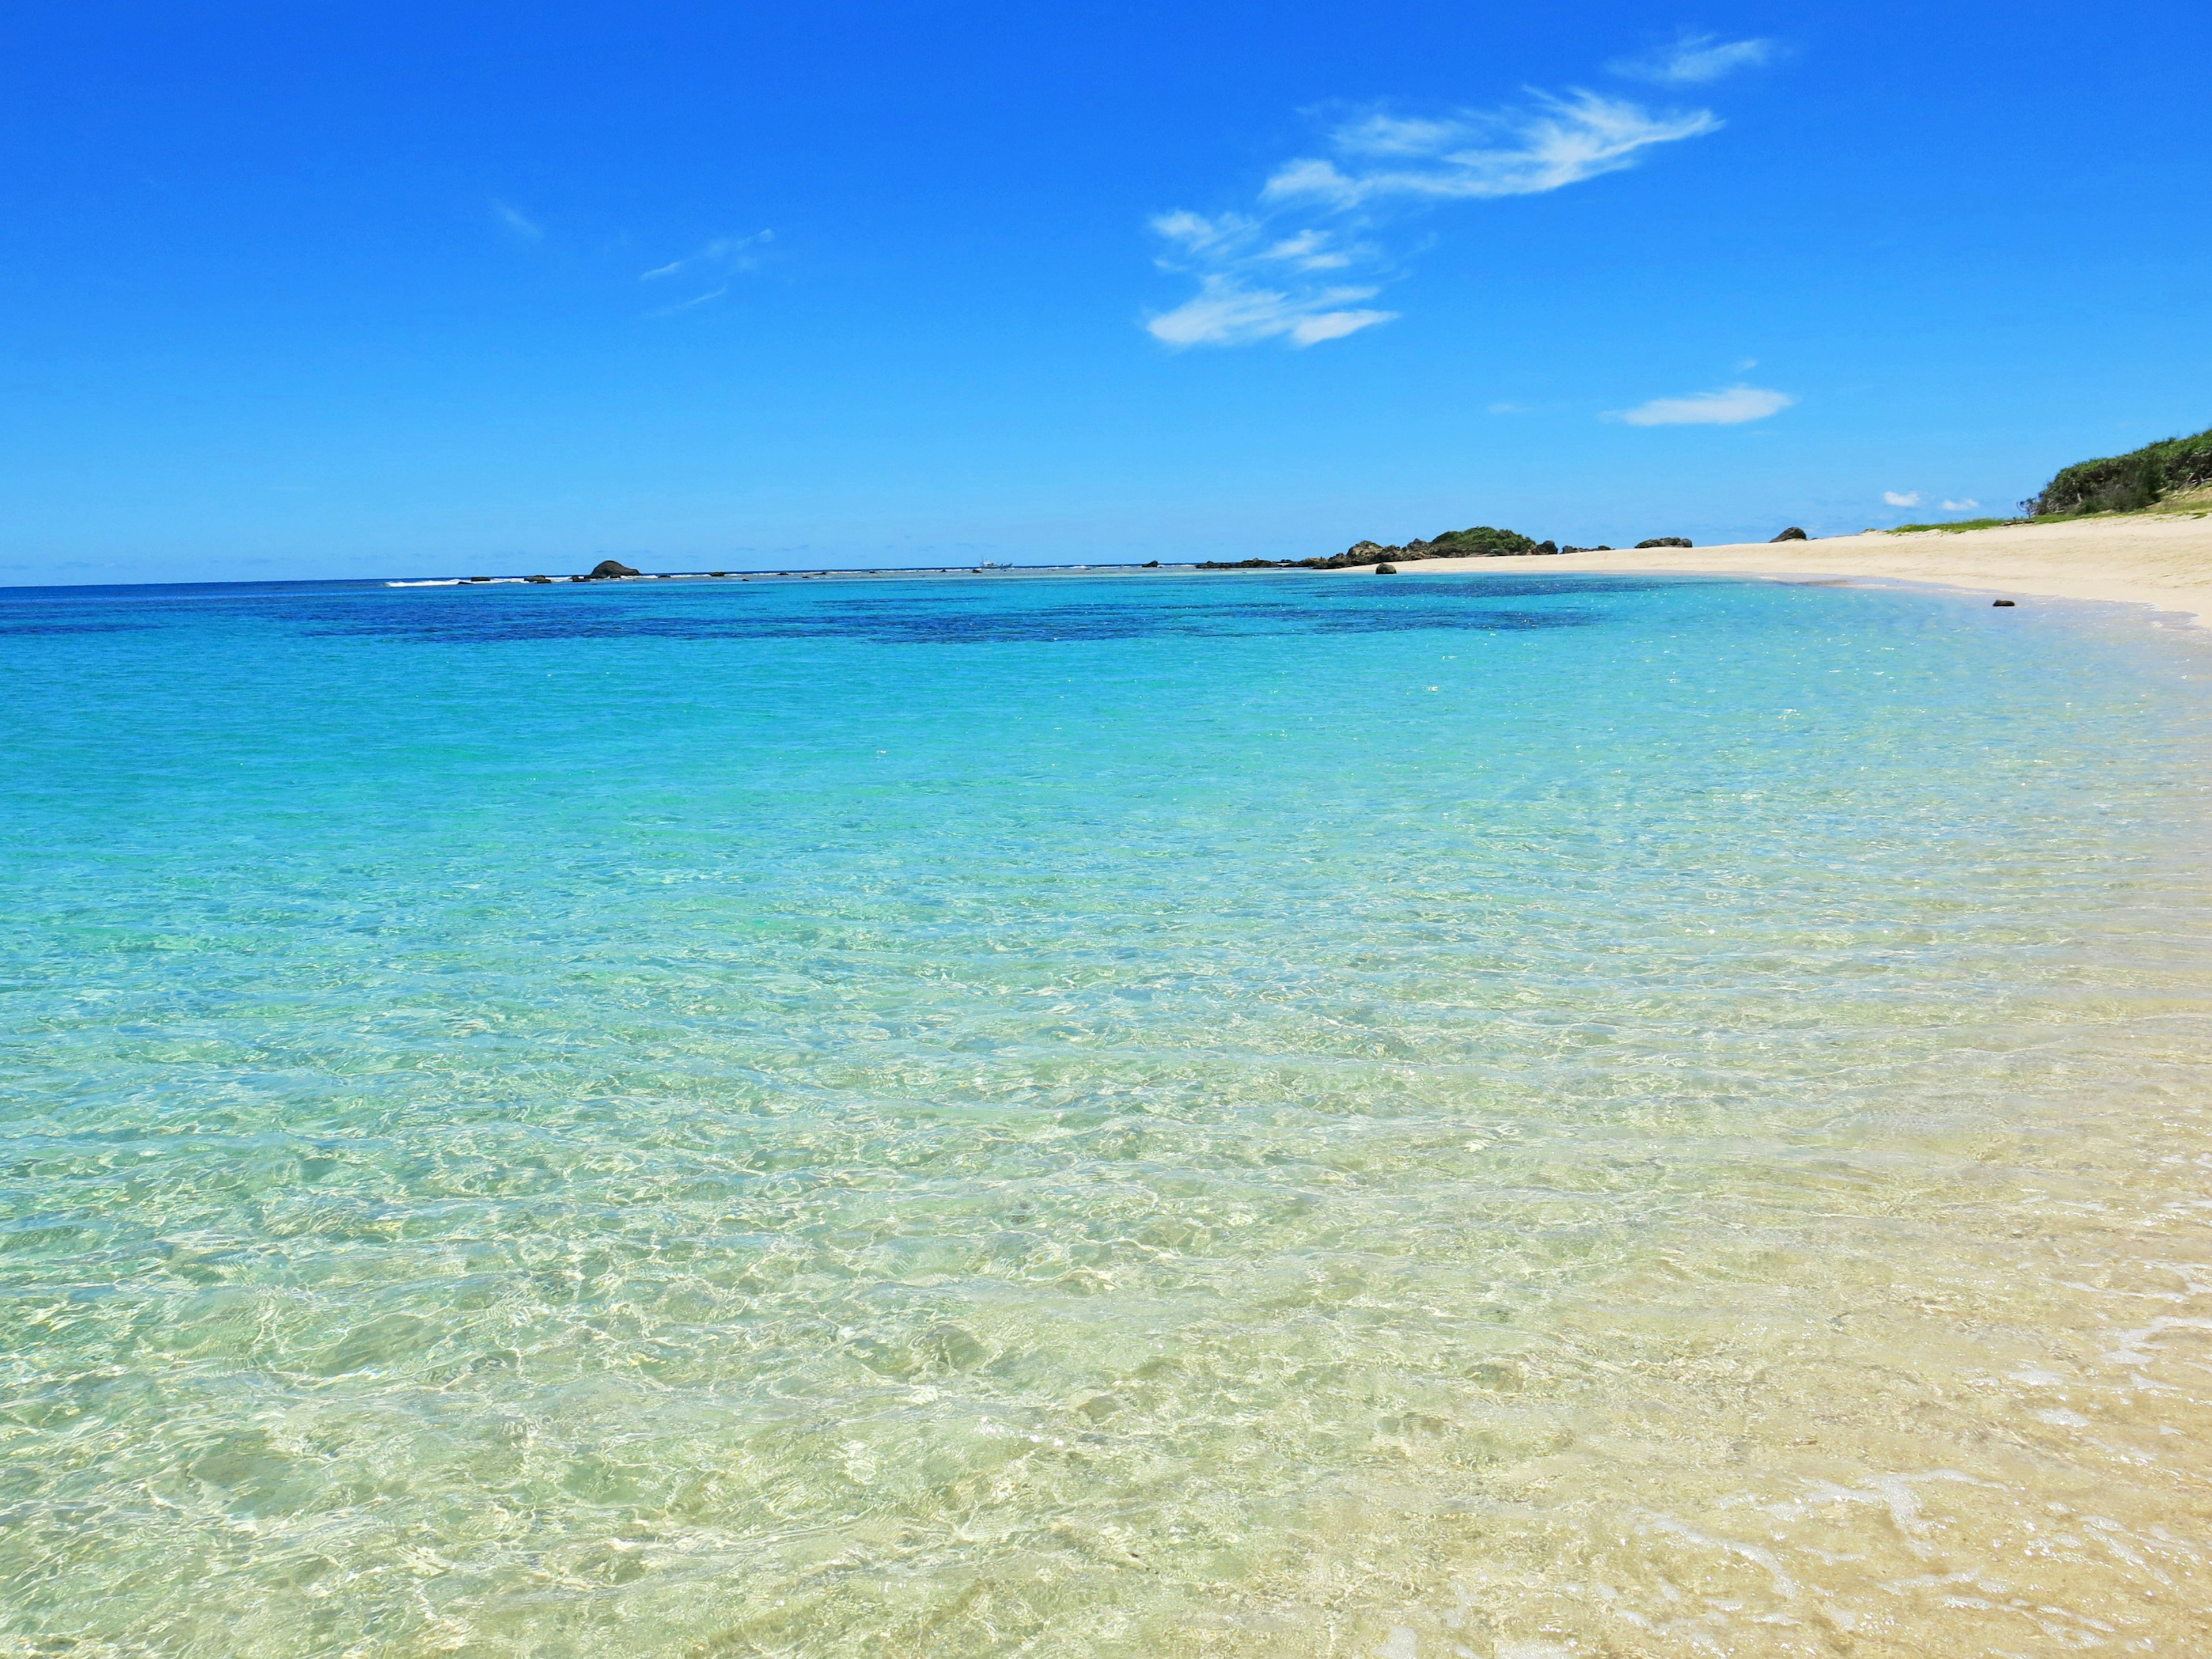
[[1094, 1116]]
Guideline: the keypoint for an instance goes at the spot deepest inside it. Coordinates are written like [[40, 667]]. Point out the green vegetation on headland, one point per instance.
[[2126, 483], [2143, 480]]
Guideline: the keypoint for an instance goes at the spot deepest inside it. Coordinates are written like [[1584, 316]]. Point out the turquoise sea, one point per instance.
[[1505, 1115]]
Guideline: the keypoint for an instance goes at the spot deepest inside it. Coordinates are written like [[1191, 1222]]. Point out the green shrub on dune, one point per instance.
[[1951, 527]]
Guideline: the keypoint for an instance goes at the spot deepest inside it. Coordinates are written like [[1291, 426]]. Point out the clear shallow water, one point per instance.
[[1281, 1115]]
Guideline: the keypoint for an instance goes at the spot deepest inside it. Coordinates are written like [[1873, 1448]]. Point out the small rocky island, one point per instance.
[[1480, 541]]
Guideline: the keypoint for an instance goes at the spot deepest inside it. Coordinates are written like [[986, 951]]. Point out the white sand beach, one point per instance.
[[2163, 560]]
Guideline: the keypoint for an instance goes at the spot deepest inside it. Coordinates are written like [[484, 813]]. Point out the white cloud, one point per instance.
[[724, 257], [518, 221], [1694, 60], [1905, 498], [1967, 506], [1226, 312], [1730, 407], [1294, 267], [1475, 157]]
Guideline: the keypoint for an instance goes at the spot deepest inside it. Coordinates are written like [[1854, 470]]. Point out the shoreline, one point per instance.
[[2157, 560]]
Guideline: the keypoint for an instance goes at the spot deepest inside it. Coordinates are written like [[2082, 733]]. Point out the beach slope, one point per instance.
[[2163, 560]]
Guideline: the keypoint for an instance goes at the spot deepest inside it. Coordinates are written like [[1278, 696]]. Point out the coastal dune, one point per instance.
[[2156, 559]]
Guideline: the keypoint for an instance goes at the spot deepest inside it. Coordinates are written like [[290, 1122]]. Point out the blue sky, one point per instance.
[[345, 290]]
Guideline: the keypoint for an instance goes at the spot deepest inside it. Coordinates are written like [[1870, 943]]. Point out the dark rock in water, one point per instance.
[[538, 579], [607, 570], [1386, 569], [1792, 534], [718, 573], [1152, 564], [479, 579], [2004, 602], [1666, 541], [1237, 564]]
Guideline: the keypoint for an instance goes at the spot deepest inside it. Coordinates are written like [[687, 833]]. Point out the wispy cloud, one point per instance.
[[1299, 264], [1901, 498], [724, 257], [695, 300], [1475, 157], [1967, 506], [1694, 60], [723, 253], [1731, 406], [518, 221], [1254, 285]]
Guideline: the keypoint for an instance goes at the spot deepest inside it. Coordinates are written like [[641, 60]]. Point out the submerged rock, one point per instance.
[[2004, 602], [1792, 534], [1386, 569]]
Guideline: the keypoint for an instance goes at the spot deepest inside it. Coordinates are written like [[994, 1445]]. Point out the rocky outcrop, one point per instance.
[[1386, 569], [1666, 541], [1482, 541], [1792, 534], [608, 569]]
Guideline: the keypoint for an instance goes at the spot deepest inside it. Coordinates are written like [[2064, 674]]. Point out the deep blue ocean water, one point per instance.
[[1511, 1115]]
